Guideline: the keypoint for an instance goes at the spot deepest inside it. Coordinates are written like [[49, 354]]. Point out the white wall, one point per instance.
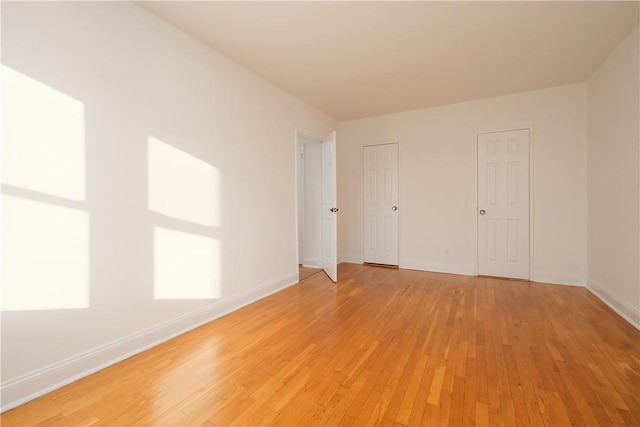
[[437, 180], [130, 77], [613, 179]]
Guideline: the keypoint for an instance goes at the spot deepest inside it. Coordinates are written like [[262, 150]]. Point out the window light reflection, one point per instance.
[[182, 186], [45, 256], [43, 138]]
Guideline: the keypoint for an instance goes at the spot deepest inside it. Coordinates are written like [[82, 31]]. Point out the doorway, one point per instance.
[[381, 209], [309, 157], [503, 211], [316, 203]]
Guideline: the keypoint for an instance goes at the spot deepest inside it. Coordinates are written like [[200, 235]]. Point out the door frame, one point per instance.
[[300, 200], [362, 197], [530, 129]]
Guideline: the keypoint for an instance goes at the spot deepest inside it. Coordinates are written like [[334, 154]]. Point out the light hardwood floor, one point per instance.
[[381, 347], [306, 272]]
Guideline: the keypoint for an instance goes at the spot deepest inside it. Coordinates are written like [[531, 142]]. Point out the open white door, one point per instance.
[[329, 209]]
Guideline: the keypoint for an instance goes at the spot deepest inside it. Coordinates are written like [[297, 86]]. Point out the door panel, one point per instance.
[[329, 209], [380, 164], [503, 204]]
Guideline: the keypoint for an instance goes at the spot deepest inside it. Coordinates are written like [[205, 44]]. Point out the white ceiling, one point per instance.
[[360, 59]]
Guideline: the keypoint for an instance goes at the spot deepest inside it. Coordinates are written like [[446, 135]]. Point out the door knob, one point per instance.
[[394, 208], [482, 212]]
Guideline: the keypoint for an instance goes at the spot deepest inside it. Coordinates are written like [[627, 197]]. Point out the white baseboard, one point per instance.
[[351, 259], [465, 270], [557, 278], [616, 303], [35, 384]]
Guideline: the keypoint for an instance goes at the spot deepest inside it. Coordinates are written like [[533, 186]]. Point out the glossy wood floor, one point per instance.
[[306, 272], [382, 347]]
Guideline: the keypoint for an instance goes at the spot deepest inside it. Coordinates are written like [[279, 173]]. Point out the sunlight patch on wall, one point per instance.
[[182, 186], [43, 138], [45, 244], [45, 256], [186, 265]]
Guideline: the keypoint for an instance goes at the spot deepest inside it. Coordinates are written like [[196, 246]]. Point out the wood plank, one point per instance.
[[380, 347]]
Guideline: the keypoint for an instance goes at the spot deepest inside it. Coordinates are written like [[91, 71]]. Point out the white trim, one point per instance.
[[464, 270], [531, 202], [295, 202], [615, 302], [300, 199], [35, 384], [529, 128], [475, 210], [557, 278]]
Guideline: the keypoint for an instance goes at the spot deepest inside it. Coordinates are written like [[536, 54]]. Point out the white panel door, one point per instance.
[[380, 166], [503, 204], [329, 209]]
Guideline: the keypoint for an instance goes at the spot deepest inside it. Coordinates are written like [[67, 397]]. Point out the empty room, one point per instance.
[[324, 213]]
